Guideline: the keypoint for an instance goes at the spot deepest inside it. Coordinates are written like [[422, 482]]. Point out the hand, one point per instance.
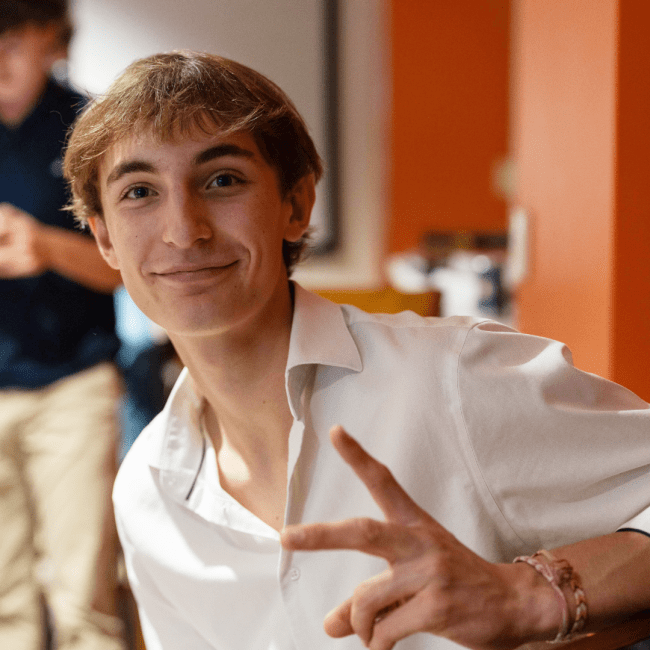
[[23, 252], [433, 582]]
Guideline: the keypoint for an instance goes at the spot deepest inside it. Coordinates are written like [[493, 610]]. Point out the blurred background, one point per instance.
[[491, 152]]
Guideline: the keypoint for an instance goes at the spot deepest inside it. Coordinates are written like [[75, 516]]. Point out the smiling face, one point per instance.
[[196, 228]]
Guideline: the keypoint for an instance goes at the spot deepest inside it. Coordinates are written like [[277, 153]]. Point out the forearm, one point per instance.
[[77, 257], [613, 572]]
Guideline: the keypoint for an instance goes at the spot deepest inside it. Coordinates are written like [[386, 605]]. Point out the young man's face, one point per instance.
[[26, 56], [196, 229]]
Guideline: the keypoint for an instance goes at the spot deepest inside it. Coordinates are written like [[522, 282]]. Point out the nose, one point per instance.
[[187, 221]]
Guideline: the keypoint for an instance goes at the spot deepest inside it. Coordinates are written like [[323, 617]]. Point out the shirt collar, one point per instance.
[[179, 449], [319, 335]]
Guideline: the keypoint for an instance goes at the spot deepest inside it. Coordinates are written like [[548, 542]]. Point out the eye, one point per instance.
[[225, 180], [138, 192]]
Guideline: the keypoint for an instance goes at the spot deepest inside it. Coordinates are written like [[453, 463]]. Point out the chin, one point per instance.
[[200, 321]]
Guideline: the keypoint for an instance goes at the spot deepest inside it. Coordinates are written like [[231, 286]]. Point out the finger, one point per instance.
[[337, 622], [387, 493], [7, 258], [7, 211], [381, 539], [377, 598], [405, 620]]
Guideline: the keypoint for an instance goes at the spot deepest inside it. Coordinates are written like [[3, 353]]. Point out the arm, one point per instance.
[[29, 248], [435, 584]]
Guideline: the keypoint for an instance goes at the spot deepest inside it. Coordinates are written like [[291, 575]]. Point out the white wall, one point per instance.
[[284, 40]]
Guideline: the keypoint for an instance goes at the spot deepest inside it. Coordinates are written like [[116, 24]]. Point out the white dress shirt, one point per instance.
[[493, 432]]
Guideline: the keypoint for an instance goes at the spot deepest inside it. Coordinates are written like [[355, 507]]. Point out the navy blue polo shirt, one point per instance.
[[50, 327]]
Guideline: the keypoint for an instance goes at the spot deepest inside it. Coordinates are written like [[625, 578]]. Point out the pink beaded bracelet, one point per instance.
[[559, 574]]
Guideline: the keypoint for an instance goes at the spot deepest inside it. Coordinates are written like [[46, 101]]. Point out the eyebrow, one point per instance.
[[222, 150], [128, 167], [218, 151]]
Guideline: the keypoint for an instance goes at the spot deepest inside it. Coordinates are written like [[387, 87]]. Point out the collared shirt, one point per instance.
[[50, 326], [493, 432]]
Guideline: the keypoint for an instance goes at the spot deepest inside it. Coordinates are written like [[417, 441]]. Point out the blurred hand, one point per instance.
[[23, 252], [433, 583]]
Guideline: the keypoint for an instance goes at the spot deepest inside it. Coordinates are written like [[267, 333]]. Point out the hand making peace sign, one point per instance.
[[433, 583]]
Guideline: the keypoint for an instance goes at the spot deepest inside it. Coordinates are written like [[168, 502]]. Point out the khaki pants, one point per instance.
[[57, 534]]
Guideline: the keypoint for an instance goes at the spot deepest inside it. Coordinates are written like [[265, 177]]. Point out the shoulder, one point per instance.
[[532, 373], [408, 334], [407, 321]]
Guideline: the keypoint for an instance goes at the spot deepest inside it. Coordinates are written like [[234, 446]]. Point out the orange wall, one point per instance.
[[564, 82], [631, 295], [581, 141], [580, 133], [449, 121]]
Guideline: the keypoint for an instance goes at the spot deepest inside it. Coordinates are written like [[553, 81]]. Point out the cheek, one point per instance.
[[27, 70], [125, 248], [128, 253], [12, 71]]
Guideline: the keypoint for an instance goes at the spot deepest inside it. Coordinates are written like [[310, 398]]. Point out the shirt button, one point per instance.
[[294, 574]]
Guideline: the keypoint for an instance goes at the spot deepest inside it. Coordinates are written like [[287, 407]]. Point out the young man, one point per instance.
[[58, 384], [197, 177]]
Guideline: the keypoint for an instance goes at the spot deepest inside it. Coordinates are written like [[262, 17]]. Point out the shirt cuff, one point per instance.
[[640, 523]]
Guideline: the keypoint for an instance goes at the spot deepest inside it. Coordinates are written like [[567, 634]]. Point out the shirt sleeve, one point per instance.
[[558, 454], [640, 523]]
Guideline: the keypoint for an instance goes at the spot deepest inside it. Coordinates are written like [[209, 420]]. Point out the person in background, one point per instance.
[[236, 513], [58, 383]]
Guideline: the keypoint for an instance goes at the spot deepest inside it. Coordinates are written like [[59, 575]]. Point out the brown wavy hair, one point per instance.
[[170, 95]]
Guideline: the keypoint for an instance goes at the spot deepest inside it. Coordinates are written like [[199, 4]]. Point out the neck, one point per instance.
[[240, 374]]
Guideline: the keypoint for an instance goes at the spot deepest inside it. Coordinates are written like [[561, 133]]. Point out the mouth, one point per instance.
[[192, 273]]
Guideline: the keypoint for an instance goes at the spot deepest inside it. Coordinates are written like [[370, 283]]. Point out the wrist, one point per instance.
[[539, 611], [565, 584], [45, 242]]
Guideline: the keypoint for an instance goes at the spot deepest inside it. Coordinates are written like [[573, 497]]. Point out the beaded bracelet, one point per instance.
[[559, 574], [571, 579]]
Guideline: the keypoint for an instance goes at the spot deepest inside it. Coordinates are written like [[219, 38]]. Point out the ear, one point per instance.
[[103, 239], [301, 198]]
